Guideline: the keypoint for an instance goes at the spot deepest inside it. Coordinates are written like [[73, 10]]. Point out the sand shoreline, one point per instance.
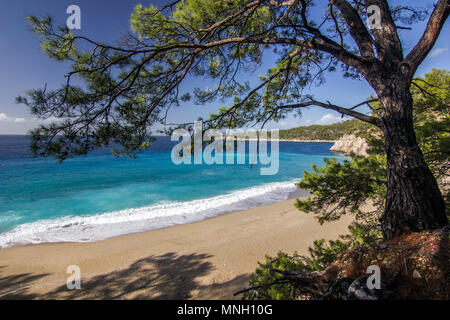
[[209, 259], [297, 194]]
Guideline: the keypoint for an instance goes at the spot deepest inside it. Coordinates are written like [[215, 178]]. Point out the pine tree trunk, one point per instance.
[[414, 201]]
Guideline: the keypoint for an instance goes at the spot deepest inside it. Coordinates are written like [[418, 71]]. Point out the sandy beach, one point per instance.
[[210, 259]]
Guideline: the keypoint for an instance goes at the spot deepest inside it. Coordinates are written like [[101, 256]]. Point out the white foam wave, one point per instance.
[[111, 224]]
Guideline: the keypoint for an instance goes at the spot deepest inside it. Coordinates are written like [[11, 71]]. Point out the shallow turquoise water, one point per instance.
[[99, 196]]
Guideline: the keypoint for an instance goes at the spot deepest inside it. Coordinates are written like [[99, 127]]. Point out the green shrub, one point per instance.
[[269, 284]]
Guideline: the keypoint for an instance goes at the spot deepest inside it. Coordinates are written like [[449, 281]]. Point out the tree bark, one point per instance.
[[414, 201]]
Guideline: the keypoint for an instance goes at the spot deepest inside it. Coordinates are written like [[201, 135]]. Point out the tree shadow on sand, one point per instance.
[[168, 276], [17, 286]]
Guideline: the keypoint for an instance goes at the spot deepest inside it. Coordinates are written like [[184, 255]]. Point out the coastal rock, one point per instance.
[[412, 266], [351, 144], [358, 290]]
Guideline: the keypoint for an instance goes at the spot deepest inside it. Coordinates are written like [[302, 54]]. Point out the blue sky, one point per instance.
[[24, 66]]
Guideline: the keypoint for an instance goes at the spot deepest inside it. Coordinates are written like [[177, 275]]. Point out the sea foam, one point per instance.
[[106, 225]]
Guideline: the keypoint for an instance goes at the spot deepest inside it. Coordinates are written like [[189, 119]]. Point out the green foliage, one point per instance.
[[124, 88], [432, 124], [432, 118], [343, 188], [269, 283], [340, 188], [319, 132]]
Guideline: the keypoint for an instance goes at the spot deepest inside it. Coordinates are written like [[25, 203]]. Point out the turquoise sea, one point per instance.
[[100, 196]]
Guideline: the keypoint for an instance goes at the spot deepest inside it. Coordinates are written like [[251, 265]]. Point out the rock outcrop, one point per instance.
[[414, 266], [411, 266], [350, 144]]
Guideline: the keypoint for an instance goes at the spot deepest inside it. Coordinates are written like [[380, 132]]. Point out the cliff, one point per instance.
[[351, 144]]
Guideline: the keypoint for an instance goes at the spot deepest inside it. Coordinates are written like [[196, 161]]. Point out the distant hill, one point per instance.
[[320, 132]]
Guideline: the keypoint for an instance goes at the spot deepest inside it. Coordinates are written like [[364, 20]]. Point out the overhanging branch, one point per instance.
[[357, 28], [429, 37], [344, 111]]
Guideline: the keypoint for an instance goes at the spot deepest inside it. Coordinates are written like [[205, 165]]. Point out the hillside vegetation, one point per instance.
[[320, 132]]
